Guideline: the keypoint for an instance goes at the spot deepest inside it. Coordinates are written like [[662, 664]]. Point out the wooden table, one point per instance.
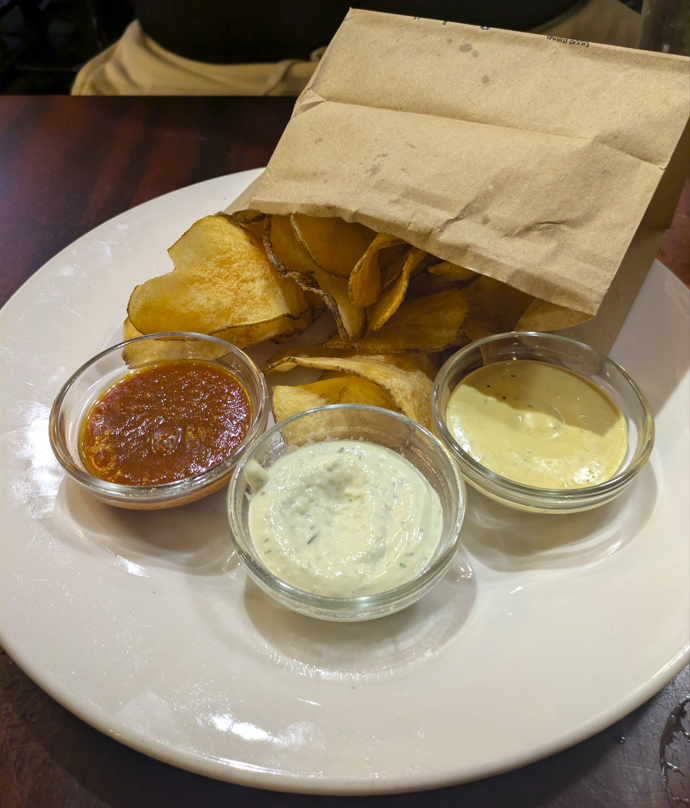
[[68, 164]]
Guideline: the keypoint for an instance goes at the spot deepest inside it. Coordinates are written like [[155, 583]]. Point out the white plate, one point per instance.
[[145, 626]]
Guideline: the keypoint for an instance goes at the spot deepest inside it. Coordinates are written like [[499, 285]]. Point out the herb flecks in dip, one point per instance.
[[344, 518], [538, 424], [164, 423]]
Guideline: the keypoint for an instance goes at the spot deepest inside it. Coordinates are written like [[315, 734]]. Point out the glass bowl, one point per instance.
[[100, 373], [566, 353], [362, 423]]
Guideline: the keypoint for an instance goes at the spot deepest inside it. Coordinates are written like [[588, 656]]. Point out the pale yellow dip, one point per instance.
[[538, 424]]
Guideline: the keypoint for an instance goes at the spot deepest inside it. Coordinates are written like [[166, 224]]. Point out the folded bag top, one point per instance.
[[531, 159]]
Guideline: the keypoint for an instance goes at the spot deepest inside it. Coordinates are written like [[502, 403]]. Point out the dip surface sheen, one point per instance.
[[164, 423], [343, 518], [538, 424]]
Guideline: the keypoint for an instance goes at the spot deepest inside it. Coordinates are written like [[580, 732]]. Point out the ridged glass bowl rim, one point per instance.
[[519, 491], [363, 603], [162, 491]]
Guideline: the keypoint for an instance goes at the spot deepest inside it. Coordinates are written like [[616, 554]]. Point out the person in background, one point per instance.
[[272, 47]]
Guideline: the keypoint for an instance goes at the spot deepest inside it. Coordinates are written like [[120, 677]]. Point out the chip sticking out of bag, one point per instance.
[[425, 285], [392, 297], [291, 260], [251, 220], [391, 261], [223, 284], [366, 280], [334, 245], [284, 249], [493, 307], [428, 324], [452, 271]]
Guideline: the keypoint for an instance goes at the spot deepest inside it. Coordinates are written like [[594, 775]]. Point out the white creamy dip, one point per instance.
[[344, 518]]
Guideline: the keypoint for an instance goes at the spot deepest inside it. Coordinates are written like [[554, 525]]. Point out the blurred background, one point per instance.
[[43, 43]]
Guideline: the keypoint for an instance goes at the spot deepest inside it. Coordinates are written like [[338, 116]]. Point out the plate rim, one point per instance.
[[244, 775]]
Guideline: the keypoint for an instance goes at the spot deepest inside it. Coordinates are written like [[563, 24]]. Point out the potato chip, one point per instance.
[[428, 324], [425, 284], [333, 374], [340, 389], [493, 307], [279, 330], [365, 282], [129, 331], [334, 245], [283, 248], [281, 361], [412, 360], [142, 353], [393, 296], [286, 359], [452, 271], [251, 220], [392, 261], [291, 260], [541, 315], [410, 390], [244, 217], [224, 284]]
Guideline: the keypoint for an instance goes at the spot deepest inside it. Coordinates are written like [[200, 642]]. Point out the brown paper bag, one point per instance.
[[552, 165]]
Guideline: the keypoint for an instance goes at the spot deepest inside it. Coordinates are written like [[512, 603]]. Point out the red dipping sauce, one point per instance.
[[166, 422]]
